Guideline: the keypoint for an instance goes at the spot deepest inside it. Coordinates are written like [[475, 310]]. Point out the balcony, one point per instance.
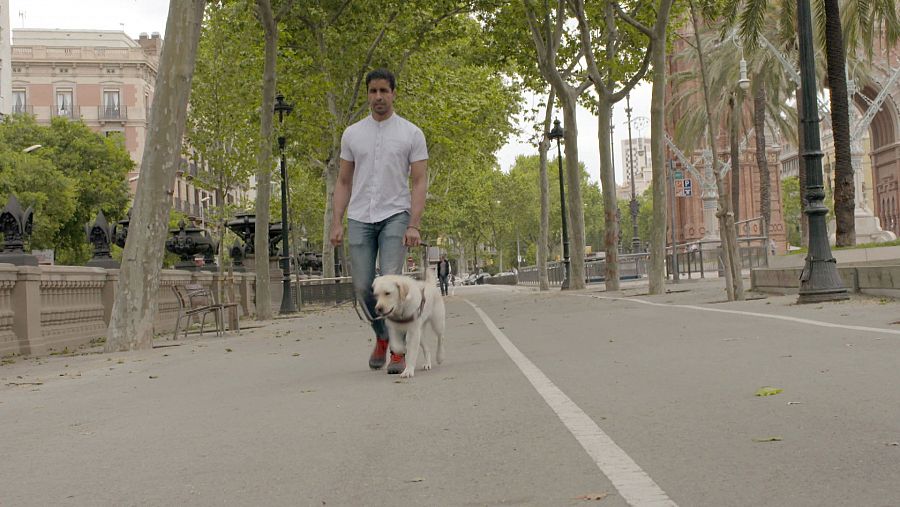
[[72, 112], [112, 113]]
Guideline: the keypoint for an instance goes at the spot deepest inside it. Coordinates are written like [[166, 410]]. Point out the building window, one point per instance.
[[64, 103], [110, 107], [19, 101]]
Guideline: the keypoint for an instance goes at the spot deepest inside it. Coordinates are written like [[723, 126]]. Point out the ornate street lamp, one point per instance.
[[557, 134], [819, 280], [633, 206], [287, 300]]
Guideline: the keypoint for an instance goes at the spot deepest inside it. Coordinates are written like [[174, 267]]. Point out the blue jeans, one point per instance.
[[384, 241]]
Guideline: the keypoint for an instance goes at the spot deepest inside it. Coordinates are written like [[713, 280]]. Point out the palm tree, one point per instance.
[[865, 20]]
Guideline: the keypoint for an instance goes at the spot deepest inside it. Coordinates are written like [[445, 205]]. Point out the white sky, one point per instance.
[[136, 16]]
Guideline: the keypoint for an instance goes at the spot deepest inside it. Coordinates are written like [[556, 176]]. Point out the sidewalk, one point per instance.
[[288, 413]]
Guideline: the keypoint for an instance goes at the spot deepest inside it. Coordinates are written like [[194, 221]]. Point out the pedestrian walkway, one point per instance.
[[544, 399]]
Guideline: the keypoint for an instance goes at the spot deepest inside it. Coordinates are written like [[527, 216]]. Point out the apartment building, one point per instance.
[[5, 59], [639, 155], [105, 79]]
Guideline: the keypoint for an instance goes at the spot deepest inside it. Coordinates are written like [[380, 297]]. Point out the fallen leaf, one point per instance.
[[153, 376], [768, 439], [228, 350], [295, 354], [416, 479], [592, 496], [768, 391], [892, 444], [794, 402]]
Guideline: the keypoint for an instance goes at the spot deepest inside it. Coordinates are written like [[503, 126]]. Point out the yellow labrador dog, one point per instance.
[[409, 305]]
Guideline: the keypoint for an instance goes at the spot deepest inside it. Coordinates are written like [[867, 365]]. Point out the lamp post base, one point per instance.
[[820, 282], [566, 274], [287, 299]]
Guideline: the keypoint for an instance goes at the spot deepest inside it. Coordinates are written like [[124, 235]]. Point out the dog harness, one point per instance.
[[407, 320]]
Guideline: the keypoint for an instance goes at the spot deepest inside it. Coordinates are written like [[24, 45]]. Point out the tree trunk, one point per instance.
[[734, 105], [759, 122], [840, 125], [657, 268], [265, 162], [733, 281], [575, 205], [608, 185], [136, 303], [331, 174], [543, 250]]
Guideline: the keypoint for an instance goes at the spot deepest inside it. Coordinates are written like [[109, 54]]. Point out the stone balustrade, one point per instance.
[[50, 308]]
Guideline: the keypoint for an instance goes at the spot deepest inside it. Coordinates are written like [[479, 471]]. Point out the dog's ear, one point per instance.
[[402, 291]]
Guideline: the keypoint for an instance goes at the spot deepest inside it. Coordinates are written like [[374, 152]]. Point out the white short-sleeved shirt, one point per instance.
[[381, 152]]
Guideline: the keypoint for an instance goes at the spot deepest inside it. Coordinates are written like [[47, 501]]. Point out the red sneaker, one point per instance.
[[397, 364], [377, 359]]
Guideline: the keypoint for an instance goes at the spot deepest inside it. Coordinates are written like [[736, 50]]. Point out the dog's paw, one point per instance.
[[427, 366], [408, 372]]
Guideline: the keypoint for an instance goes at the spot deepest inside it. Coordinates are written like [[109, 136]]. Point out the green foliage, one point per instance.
[[223, 120], [517, 214], [790, 208], [447, 84], [74, 174], [37, 182]]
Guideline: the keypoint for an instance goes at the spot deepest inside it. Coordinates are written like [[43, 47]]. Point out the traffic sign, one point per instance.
[[683, 188], [679, 175]]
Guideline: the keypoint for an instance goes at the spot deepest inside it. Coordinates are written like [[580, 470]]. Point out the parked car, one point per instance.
[[481, 277]]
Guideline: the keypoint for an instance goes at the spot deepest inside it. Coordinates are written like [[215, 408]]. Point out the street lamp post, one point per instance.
[[287, 301], [202, 220], [819, 280], [557, 134], [634, 206]]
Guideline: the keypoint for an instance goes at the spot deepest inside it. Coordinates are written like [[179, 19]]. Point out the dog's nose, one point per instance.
[[379, 310]]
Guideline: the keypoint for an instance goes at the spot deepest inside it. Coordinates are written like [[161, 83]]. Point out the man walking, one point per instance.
[[380, 154], [443, 272]]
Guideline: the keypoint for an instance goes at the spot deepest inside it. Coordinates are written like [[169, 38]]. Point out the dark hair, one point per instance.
[[381, 74]]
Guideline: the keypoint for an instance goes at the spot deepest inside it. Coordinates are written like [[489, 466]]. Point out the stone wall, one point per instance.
[[51, 308], [874, 279]]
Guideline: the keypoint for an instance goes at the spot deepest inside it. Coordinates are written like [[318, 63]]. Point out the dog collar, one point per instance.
[[407, 320]]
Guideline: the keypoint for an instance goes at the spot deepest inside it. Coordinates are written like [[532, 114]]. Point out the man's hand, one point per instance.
[[337, 234], [412, 237]]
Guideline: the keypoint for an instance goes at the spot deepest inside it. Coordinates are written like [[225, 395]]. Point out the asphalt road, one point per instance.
[[544, 399]]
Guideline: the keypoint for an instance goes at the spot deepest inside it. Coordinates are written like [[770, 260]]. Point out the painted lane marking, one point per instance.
[[753, 314], [633, 484]]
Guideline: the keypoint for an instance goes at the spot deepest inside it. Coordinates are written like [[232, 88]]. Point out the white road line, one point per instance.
[[753, 314], [635, 486]]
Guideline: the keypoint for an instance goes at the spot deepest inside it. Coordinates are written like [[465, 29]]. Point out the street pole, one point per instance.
[[287, 300], [518, 251], [819, 280], [634, 206], [674, 235], [557, 133]]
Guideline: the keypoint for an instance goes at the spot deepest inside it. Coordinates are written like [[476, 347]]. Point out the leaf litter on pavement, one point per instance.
[[768, 391], [593, 496], [768, 439]]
